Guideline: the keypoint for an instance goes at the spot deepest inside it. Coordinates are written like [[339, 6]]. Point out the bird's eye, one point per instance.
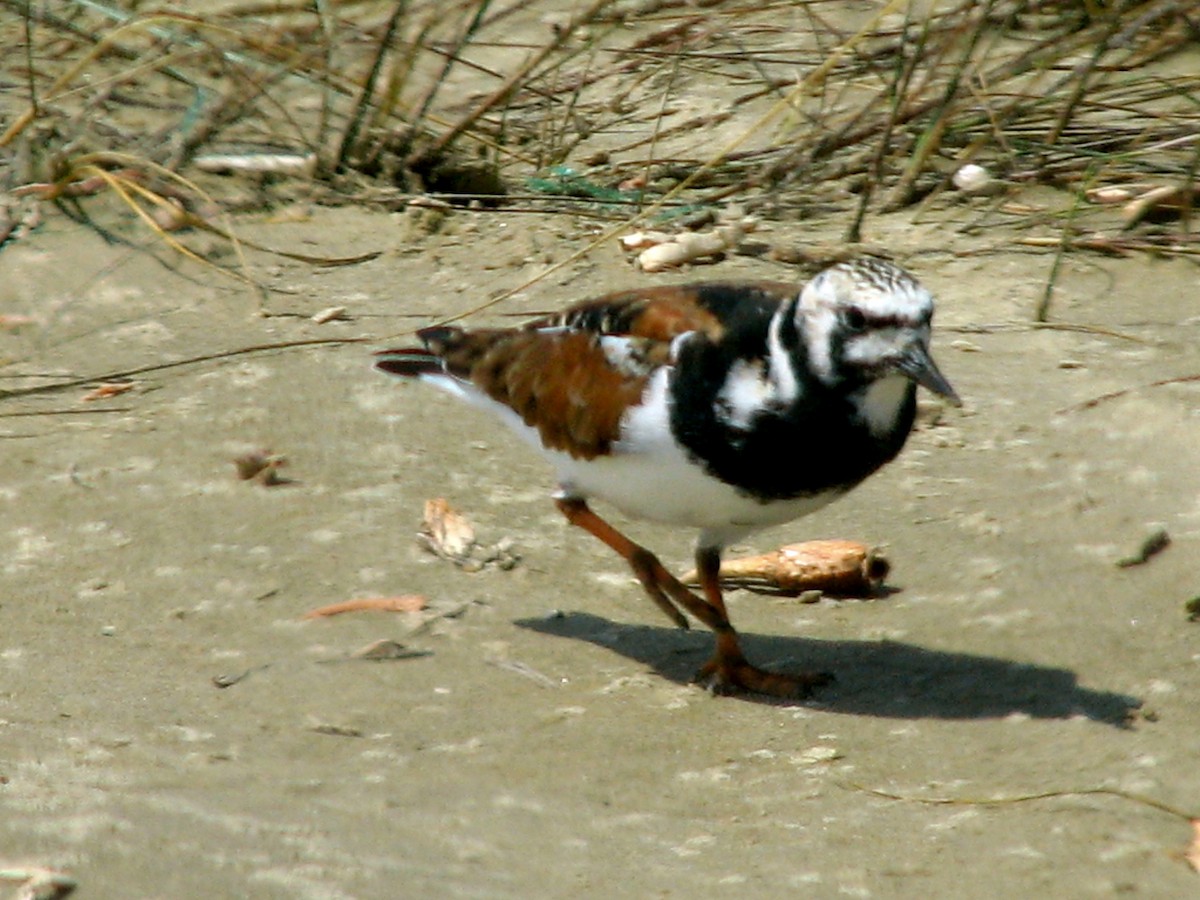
[[855, 319]]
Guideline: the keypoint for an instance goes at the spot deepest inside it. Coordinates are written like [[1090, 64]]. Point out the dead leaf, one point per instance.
[[1192, 853], [402, 603], [106, 389]]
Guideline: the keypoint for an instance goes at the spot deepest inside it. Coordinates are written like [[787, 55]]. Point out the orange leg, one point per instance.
[[728, 671], [649, 571]]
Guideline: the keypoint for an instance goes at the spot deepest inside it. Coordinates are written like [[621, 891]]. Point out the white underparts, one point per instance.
[[880, 402]]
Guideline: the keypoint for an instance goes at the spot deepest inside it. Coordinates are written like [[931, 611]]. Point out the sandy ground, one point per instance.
[[544, 739]]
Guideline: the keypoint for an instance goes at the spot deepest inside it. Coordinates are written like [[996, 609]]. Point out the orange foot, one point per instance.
[[730, 673]]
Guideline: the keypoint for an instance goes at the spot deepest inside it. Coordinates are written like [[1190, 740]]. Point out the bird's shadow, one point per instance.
[[890, 679]]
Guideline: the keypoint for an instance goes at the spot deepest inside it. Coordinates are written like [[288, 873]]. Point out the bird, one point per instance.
[[721, 406]]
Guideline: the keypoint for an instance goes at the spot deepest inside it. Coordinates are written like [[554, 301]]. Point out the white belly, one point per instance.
[[649, 476], [679, 493]]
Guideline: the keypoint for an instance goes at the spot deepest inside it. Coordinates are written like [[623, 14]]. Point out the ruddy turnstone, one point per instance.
[[726, 407]]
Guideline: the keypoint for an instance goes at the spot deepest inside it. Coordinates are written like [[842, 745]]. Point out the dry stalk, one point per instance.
[[362, 107], [502, 93], [1070, 95]]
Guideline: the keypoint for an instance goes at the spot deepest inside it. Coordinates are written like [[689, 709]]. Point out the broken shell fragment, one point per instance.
[[660, 251], [445, 531], [845, 568]]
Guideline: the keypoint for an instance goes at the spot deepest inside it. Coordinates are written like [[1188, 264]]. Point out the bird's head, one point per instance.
[[865, 320]]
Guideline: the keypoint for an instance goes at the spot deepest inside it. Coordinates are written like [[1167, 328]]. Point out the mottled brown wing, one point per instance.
[[663, 313], [557, 374], [559, 382]]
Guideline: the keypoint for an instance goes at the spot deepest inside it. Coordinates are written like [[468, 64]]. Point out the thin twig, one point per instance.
[[1042, 312], [505, 90], [362, 107], [931, 139], [449, 58], [1139, 799], [177, 364], [1113, 395]]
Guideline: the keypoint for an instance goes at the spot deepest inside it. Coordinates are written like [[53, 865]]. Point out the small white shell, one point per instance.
[[971, 178]]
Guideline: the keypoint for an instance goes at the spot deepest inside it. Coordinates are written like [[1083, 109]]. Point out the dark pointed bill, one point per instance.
[[917, 364]]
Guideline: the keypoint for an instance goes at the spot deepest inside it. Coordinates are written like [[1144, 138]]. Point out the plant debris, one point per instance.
[[386, 649], [524, 670], [106, 389], [410, 603], [1153, 543], [1192, 608], [262, 466], [1191, 854], [338, 731], [1094, 100]]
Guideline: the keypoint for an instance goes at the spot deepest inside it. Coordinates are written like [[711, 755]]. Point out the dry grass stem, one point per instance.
[[803, 108]]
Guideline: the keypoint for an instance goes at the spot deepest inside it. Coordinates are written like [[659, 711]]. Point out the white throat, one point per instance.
[[880, 402]]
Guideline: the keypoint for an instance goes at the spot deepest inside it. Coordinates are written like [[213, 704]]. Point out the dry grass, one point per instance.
[[793, 109]]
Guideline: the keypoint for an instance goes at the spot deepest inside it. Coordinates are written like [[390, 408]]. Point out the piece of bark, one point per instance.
[[845, 568]]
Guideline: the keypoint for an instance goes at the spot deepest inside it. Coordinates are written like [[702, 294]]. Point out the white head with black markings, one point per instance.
[[865, 320]]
